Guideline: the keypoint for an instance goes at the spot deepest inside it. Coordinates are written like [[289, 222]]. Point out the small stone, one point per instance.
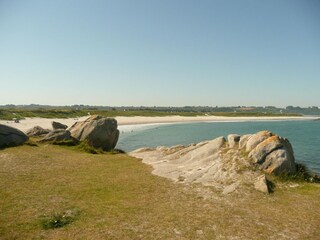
[[262, 184], [176, 231]]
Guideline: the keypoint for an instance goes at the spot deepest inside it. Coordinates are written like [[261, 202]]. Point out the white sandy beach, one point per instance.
[[133, 122]]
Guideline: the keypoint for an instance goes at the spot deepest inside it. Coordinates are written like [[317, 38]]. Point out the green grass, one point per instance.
[[58, 220], [9, 114], [59, 192], [302, 175]]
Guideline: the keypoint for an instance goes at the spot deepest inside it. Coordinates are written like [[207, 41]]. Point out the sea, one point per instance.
[[304, 135]]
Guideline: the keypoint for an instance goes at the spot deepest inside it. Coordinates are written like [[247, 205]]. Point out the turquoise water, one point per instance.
[[303, 135]]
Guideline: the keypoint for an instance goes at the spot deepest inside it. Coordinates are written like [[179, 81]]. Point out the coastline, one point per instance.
[[135, 122]]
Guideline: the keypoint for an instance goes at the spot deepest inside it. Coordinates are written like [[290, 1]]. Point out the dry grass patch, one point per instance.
[[114, 196]]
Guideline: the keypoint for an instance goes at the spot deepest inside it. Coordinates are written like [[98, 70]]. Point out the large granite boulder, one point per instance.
[[58, 136], [273, 154], [260, 152], [279, 161], [97, 131], [10, 137], [57, 125], [37, 131]]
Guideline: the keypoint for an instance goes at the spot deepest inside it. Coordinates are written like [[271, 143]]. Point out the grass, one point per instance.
[[114, 196], [58, 220], [9, 114], [302, 175]]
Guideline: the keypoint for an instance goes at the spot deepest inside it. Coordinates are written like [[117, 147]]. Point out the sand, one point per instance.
[[134, 122]]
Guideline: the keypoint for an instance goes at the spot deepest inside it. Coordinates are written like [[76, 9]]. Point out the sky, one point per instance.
[[160, 53]]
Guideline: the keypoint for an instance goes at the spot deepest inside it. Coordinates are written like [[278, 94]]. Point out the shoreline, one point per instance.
[[134, 122]]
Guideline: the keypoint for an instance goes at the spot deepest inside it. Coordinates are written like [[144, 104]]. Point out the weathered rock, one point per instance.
[[243, 140], [233, 139], [37, 131], [57, 135], [260, 152], [257, 138], [274, 155], [57, 125], [278, 162], [97, 131], [203, 163], [262, 184], [224, 167], [10, 137]]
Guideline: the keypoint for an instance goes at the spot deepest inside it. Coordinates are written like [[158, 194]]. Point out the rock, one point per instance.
[[203, 163], [262, 184], [57, 136], [243, 140], [176, 231], [57, 125], [97, 131], [274, 155], [233, 139], [227, 169], [278, 162], [16, 120], [10, 137], [37, 131], [264, 148], [257, 138]]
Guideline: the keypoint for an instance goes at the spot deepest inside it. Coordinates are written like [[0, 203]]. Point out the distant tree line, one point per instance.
[[195, 109]]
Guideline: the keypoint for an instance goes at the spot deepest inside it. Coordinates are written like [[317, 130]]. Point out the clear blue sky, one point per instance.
[[165, 53]]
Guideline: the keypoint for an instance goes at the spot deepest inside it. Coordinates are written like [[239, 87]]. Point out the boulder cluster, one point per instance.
[[225, 165], [96, 131], [272, 153]]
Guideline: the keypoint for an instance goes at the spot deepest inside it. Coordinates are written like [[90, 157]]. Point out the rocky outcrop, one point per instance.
[[58, 136], [10, 137], [57, 125], [195, 163], [37, 131], [273, 154], [97, 131], [227, 167]]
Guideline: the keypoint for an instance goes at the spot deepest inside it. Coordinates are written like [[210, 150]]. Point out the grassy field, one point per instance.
[[9, 114], [114, 196]]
